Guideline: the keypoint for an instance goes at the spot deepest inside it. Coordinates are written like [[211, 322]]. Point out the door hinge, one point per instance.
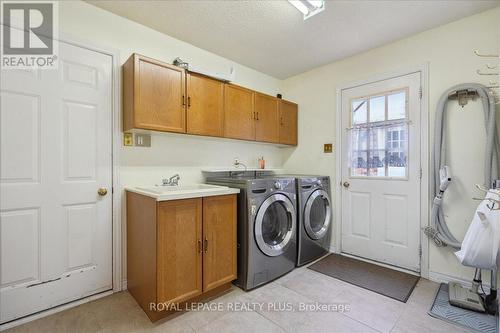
[[420, 172], [420, 92], [420, 250]]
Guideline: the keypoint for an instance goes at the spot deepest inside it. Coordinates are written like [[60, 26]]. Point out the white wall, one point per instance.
[[169, 153], [448, 50]]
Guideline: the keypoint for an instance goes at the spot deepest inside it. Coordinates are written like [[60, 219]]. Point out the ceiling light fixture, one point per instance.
[[308, 7]]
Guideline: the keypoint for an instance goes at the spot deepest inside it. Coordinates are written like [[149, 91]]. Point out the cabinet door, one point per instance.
[[159, 96], [204, 105], [266, 118], [288, 123], [219, 236], [179, 257], [239, 122]]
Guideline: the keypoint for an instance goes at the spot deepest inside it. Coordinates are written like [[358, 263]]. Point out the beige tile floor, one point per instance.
[[369, 312]]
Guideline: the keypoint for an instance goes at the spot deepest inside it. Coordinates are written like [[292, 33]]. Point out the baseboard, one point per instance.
[[445, 278], [54, 310], [333, 249]]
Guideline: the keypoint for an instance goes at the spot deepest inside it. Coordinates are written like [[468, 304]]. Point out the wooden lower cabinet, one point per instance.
[[219, 257], [179, 251], [179, 259]]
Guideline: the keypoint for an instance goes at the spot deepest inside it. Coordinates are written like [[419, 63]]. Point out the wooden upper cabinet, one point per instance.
[[219, 236], [153, 95], [161, 97], [239, 113], [266, 118], [205, 105], [179, 256], [288, 123]]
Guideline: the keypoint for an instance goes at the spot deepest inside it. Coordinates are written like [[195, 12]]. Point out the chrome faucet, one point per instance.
[[172, 181]]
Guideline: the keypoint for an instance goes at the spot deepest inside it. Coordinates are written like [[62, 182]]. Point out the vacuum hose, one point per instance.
[[438, 231]]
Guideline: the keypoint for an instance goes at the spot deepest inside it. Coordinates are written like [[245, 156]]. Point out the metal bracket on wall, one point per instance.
[[463, 96]]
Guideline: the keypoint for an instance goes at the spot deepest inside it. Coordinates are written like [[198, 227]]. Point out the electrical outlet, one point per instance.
[[142, 140], [327, 148], [128, 139]]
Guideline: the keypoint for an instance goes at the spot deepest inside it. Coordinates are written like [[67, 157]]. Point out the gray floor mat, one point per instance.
[[442, 309], [382, 280]]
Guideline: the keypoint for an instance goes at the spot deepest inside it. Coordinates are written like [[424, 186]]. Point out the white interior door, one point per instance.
[[381, 171], [56, 151]]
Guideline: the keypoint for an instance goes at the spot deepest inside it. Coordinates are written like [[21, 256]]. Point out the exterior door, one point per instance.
[[275, 225], [239, 115], [205, 105], [219, 234], [381, 171], [266, 118], [56, 152]]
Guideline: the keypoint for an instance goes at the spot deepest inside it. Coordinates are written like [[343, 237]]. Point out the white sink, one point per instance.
[[182, 191]]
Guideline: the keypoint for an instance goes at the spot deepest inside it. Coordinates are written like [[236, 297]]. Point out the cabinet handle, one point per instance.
[[281, 121], [206, 245], [183, 100], [189, 101], [257, 115], [254, 116], [200, 249]]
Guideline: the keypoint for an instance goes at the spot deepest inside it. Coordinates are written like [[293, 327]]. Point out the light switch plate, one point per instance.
[[142, 140], [128, 139], [327, 148]]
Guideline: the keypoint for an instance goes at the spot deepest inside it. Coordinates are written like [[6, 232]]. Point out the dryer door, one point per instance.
[[275, 225], [317, 214]]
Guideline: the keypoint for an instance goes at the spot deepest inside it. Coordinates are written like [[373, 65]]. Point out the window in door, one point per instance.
[[379, 135]]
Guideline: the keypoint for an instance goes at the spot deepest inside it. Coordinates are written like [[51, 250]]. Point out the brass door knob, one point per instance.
[[346, 184], [102, 191]]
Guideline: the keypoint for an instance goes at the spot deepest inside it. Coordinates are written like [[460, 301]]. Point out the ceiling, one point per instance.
[[272, 37]]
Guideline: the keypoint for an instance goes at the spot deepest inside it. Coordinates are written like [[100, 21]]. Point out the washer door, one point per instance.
[[275, 225], [317, 214]]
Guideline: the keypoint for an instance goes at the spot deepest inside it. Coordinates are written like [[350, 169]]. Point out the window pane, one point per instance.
[[359, 163], [376, 163], [358, 145], [396, 106], [377, 108], [359, 139], [397, 152], [359, 112], [377, 152]]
